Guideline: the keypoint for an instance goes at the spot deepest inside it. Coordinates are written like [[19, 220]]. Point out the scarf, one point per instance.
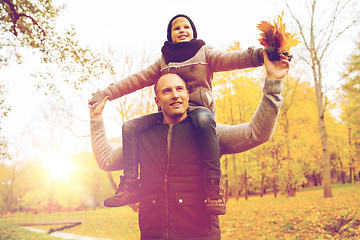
[[182, 51]]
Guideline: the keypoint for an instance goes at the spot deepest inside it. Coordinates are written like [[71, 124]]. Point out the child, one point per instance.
[[194, 62]]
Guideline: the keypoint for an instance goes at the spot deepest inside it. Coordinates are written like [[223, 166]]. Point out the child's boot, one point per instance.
[[214, 203], [127, 192]]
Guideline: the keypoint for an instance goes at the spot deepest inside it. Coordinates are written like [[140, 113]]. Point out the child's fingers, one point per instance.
[[284, 60]]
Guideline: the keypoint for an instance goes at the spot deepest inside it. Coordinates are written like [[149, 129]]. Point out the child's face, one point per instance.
[[181, 30]]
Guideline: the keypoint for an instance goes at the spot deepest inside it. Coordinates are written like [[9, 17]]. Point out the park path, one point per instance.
[[66, 235]]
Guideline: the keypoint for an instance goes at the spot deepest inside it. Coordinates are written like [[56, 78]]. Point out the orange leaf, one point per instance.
[[274, 36]]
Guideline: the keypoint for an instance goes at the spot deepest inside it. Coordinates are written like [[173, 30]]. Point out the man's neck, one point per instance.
[[173, 121]]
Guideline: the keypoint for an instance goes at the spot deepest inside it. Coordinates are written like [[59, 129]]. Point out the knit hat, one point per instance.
[[170, 26]]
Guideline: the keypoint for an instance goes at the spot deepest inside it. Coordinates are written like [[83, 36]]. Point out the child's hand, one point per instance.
[[276, 69], [96, 112], [98, 96]]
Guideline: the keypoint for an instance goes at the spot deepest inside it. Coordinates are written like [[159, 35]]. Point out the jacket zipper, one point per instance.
[[168, 149], [166, 209]]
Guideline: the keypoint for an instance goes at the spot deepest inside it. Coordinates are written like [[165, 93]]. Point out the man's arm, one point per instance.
[[242, 137], [107, 157]]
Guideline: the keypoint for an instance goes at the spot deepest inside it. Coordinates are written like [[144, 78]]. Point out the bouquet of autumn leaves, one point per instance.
[[275, 40]]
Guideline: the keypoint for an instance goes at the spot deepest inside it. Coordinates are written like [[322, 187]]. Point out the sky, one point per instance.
[[142, 24]]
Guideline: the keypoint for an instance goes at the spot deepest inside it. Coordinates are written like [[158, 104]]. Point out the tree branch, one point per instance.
[[15, 16]]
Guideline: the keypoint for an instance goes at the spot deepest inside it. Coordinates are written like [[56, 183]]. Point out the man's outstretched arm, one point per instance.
[[242, 137], [107, 157]]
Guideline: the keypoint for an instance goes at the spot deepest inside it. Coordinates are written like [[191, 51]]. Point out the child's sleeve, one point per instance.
[[225, 61], [137, 81]]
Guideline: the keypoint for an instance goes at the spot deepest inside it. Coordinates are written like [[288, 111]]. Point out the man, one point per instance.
[[172, 188], [172, 204]]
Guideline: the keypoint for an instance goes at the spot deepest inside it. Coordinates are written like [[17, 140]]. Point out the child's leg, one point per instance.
[[204, 123], [130, 129], [128, 190]]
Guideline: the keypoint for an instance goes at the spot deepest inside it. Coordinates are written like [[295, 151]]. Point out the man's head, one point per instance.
[[173, 97]]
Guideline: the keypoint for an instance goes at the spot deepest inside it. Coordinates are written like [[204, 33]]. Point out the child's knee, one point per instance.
[[205, 119]]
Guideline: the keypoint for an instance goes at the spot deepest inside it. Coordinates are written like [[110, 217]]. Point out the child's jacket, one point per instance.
[[196, 71]]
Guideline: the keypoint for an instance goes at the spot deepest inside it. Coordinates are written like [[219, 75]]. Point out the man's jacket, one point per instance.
[[172, 205]]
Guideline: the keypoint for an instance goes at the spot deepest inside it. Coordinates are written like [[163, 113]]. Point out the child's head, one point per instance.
[[181, 29]]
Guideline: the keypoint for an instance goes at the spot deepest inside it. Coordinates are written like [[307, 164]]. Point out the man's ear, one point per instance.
[[157, 101]]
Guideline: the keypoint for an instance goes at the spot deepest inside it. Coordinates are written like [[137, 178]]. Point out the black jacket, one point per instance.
[[172, 205]]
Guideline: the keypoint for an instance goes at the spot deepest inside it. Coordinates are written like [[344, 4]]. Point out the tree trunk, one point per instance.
[[326, 159], [245, 185], [236, 185], [351, 157], [316, 67], [262, 187], [226, 179], [291, 191], [343, 180], [314, 177]]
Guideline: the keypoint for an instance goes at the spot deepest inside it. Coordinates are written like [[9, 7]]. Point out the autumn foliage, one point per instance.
[[275, 39]]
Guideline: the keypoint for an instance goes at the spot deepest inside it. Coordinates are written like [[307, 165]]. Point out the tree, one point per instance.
[[66, 63], [4, 110], [340, 157], [24, 24], [318, 37], [293, 153], [350, 108], [288, 95], [239, 93], [31, 25], [17, 173]]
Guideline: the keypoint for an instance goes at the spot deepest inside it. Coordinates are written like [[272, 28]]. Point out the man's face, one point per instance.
[[181, 30], [173, 98]]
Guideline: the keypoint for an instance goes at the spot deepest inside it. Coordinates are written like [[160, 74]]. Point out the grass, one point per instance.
[[11, 232], [307, 216]]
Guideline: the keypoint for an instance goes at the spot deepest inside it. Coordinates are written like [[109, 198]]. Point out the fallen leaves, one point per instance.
[[306, 216]]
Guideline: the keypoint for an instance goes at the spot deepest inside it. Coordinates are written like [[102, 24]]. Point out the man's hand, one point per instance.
[[96, 113], [276, 69]]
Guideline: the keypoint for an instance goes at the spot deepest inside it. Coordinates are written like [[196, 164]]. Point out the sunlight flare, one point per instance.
[[59, 168]]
